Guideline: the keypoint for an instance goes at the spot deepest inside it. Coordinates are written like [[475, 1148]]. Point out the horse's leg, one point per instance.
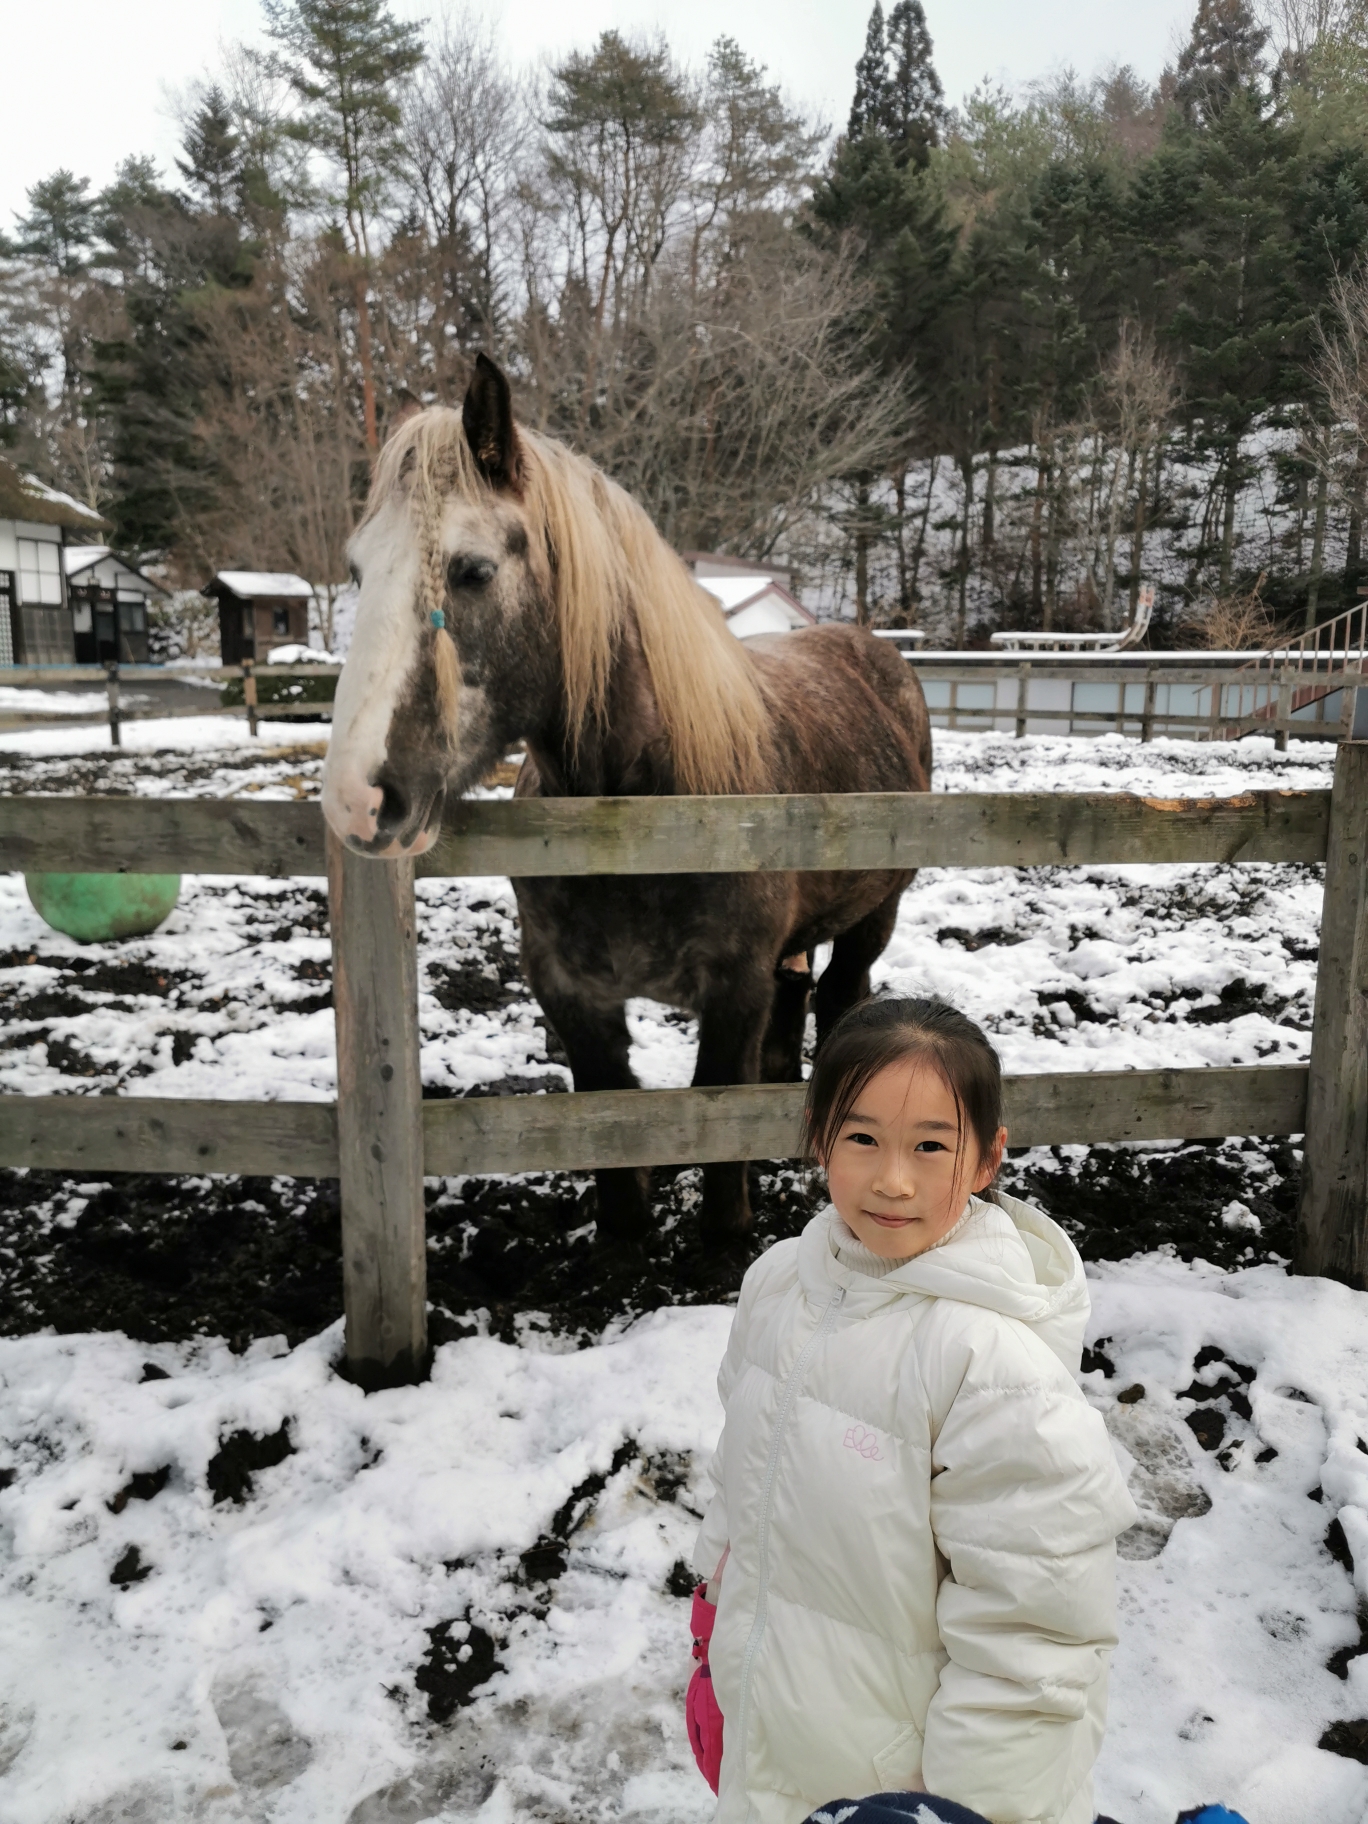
[[731, 1029], [845, 979], [596, 1042], [781, 1057]]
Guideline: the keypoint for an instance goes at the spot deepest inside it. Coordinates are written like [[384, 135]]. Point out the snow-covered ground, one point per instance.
[[462, 1600]]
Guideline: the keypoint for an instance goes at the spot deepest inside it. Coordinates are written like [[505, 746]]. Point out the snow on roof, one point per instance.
[[81, 557], [262, 582], [736, 593], [24, 497]]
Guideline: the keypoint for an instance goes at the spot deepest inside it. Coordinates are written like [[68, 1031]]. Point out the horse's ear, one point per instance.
[[488, 419]]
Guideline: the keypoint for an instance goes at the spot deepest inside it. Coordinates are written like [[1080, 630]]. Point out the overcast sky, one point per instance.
[[87, 80]]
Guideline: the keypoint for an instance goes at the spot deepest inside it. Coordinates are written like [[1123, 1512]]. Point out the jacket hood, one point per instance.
[[1007, 1257]]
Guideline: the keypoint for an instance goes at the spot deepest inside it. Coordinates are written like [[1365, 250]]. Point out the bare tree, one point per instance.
[[1138, 394], [1340, 369]]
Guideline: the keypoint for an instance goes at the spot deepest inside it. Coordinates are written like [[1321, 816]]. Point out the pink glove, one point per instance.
[[701, 1714]]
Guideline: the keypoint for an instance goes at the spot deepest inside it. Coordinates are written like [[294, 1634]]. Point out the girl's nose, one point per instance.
[[894, 1177]]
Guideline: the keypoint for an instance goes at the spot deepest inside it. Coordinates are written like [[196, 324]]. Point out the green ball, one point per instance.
[[93, 908]]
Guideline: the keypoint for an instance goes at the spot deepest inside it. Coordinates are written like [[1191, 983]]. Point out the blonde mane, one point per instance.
[[605, 567]]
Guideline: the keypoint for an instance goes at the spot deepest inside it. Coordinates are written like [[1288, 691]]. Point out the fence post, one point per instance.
[[1147, 719], [1284, 713], [112, 692], [1023, 691], [379, 1116], [249, 694], [1332, 1224]]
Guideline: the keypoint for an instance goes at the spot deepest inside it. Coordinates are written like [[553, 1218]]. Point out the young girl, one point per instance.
[[911, 1540]]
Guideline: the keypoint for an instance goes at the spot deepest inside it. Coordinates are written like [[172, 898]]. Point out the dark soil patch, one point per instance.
[[1348, 1738], [453, 1669], [168, 1258], [239, 1458], [130, 1569], [143, 1487]]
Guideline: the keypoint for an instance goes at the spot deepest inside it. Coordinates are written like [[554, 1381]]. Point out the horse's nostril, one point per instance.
[[394, 810]]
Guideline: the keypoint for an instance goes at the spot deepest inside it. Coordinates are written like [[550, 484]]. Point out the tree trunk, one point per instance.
[[363, 342], [919, 549], [900, 496], [990, 500], [1317, 550], [1228, 518], [1138, 536], [962, 611], [862, 555], [1353, 545], [1037, 567]]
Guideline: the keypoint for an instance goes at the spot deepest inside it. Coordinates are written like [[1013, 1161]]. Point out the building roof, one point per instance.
[[717, 563], [250, 584], [85, 557], [25, 497], [736, 593]]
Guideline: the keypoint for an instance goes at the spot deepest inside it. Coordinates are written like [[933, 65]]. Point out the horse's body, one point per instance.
[[592, 646]]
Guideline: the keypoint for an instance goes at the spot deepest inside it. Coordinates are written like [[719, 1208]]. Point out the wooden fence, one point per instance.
[[381, 1137], [1144, 694], [113, 677]]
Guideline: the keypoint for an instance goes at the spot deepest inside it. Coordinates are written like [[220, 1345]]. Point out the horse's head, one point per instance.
[[454, 647]]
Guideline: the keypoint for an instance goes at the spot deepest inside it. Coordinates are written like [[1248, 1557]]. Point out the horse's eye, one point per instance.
[[470, 572]]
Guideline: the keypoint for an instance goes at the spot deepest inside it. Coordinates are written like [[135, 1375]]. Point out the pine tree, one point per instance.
[[212, 165], [871, 79], [1219, 60], [59, 228], [345, 60], [913, 111]]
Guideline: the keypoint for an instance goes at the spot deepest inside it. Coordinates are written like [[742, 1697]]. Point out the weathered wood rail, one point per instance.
[[381, 1136]]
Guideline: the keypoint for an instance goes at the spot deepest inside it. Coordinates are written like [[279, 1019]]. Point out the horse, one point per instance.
[[509, 591]]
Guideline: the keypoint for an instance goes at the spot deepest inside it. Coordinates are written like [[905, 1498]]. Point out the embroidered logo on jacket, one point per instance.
[[866, 1442]]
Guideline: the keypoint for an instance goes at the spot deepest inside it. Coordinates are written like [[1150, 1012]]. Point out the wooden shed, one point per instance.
[[259, 609]]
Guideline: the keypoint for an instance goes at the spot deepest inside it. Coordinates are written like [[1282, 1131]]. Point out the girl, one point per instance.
[[911, 1540]]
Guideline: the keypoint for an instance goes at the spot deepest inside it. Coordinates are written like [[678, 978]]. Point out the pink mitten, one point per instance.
[[701, 1714]]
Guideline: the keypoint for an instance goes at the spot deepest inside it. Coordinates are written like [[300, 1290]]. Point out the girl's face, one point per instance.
[[894, 1171]]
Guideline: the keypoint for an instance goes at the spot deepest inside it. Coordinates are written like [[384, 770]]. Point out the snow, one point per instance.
[[54, 497], [264, 582], [184, 733], [22, 701], [81, 557], [265, 1666], [301, 655]]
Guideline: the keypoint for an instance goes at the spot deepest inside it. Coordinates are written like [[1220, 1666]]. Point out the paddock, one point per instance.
[[380, 1138]]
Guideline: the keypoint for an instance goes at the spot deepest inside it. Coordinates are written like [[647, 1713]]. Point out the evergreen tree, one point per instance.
[[213, 165], [1221, 58], [60, 226], [345, 60], [913, 112], [871, 79]]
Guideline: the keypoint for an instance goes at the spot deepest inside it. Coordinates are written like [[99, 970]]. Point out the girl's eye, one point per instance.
[[862, 1139], [930, 1146]]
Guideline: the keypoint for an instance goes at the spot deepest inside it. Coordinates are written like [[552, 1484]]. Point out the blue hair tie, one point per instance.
[[438, 619]]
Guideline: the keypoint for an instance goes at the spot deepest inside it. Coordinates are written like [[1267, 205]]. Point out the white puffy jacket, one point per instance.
[[919, 1510]]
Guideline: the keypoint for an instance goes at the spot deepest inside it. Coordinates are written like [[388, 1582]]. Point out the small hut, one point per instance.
[[35, 617], [109, 598], [259, 609], [754, 598]]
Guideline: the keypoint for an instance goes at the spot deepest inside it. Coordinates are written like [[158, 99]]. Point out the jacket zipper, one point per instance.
[[790, 1394]]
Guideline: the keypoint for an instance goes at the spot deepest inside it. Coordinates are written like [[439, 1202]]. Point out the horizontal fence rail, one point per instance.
[[479, 1135], [381, 1136], [577, 836]]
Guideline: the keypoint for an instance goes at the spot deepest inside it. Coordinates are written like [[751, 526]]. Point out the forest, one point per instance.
[[964, 367]]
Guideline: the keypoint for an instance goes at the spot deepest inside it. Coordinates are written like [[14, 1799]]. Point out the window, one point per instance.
[[132, 614], [280, 620], [80, 617], [40, 573]]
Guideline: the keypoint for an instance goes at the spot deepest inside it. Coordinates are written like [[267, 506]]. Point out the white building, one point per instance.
[[108, 597], [754, 598], [35, 619]]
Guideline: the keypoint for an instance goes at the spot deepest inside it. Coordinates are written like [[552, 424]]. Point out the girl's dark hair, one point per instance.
[[886, 1030]]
